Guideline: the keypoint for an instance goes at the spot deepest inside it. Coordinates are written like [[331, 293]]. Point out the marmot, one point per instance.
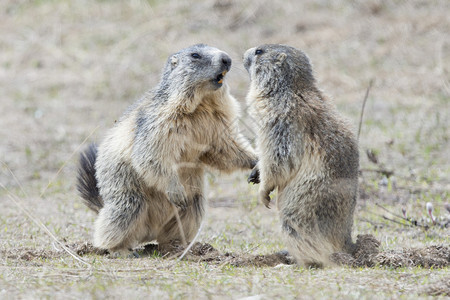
[[306, 150], [155, 155]]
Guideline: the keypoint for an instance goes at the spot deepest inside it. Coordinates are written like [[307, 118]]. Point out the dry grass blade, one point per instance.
[[192, 242], [67, 160], [385, 172], [388, 219], [363, 106], [394, 214], [412, 222], [180, 225], [43, 227]]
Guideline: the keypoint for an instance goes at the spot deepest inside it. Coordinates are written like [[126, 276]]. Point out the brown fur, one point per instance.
[[306, 150]]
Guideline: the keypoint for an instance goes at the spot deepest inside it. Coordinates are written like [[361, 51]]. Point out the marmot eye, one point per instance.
[[258, 52], [196, 55]]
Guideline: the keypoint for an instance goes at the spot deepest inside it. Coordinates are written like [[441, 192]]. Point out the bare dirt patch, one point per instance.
[[366, 254], [428, 257], [204, 252], [83, 248], [29, 254], [367, 248]]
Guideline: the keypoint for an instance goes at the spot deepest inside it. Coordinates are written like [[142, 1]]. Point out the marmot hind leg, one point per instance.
[[190, 218], [122, 225], [309, 248]]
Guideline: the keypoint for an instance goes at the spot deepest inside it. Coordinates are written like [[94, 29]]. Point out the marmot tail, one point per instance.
[[86, 181]]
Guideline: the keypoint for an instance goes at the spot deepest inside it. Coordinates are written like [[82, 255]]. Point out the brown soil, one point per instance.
[[83, 248], [367, 248], [428, 257], [207, 253], [366, 254], [29, 254]]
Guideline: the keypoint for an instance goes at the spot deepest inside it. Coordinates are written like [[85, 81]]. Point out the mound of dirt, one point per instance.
[[364, 255], [198, 252], [367, 248], [269, 260], [367, 254], [204, 252], [30, 254], [83, 248], [428, 257]]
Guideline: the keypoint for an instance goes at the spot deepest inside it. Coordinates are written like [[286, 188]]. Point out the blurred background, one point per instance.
[[68, 69]]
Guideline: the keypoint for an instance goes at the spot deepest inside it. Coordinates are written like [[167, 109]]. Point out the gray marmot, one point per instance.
[[153, 160], [306, 150]]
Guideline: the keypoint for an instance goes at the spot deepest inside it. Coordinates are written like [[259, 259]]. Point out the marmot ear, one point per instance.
[[174, 61], [281, 57]]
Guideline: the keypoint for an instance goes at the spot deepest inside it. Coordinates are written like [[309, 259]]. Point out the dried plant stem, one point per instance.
[[180, 225], [363, 106], [192, 242], [384, 172]]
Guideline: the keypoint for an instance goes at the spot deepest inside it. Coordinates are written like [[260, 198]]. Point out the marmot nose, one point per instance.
[[226, 61]]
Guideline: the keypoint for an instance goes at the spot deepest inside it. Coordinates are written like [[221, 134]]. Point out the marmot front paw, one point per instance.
[[264, 198], [254, 176]]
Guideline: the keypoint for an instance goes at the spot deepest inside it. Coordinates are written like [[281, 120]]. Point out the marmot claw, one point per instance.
[[254, 176], [265, 199]]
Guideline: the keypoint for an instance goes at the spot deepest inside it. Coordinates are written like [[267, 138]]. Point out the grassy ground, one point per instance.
[[69, 68]]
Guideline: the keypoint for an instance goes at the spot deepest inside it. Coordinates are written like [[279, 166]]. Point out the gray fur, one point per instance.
[[153, 160], [86, 182], [306, 150]]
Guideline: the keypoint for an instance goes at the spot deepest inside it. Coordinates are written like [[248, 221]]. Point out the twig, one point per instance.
[[363, 106], [192, 242], [64, 164], [42, 226], [385, 172], [180, 225], [370, 222], [417, 190], [388, 219], [394, 214], [411, 221], [392, 220]]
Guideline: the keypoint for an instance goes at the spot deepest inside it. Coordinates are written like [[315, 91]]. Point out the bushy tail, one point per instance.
[[86, 181]]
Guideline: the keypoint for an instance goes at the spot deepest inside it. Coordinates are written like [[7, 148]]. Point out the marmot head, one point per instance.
[[273, 67], [198, 66]]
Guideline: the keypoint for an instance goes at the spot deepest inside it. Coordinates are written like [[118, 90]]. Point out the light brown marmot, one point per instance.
[[156, 154]]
